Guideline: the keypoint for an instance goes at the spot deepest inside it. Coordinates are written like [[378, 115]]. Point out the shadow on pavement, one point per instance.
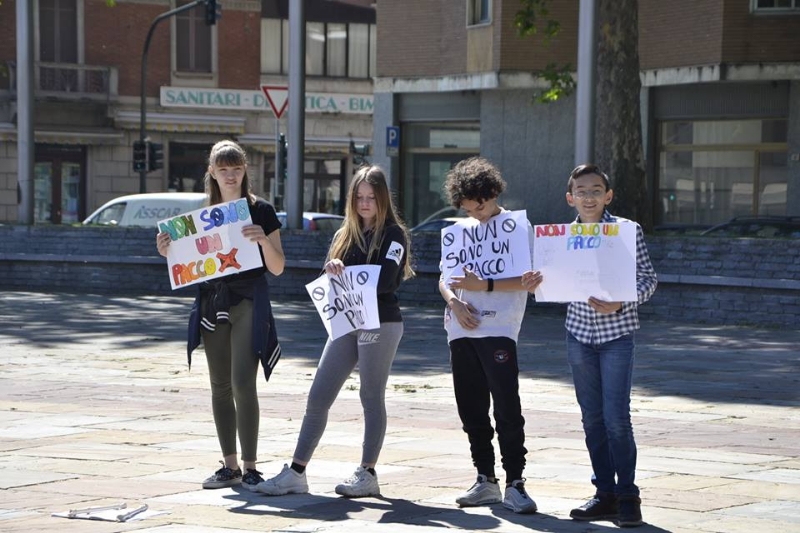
[[704, 362], [335, 508]]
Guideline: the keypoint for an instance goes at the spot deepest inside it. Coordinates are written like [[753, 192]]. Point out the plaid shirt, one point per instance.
[[591, 327]]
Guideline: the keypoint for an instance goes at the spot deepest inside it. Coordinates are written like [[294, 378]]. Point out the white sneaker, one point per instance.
[[287, 482], [483, 492], [361, 484], [517, 499]]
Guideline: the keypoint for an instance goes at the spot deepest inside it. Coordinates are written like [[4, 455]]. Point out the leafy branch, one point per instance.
[[533, 18]]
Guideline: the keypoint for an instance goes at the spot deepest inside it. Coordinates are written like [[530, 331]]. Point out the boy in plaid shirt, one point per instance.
[[600, 347]]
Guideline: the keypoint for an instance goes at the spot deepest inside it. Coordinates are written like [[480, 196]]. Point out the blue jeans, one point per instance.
[[602, 376]]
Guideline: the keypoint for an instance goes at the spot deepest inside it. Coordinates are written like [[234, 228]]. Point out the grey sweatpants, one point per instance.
[[374, 351]]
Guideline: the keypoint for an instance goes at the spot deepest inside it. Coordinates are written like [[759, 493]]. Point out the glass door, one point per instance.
[[42, 192], [59, 184], [70, 192]]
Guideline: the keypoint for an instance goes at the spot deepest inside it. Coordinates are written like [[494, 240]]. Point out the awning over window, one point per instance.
[[170, 122]]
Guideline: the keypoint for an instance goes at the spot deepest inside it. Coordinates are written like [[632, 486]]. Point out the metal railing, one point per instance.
[[68, 80]]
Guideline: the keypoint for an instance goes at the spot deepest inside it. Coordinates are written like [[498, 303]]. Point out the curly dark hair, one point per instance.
[[473, 179]]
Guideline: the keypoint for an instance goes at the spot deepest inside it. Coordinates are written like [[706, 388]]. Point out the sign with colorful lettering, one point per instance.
[[349, 301], [210, 98], [208, 243], [497, 249], [578, 261]]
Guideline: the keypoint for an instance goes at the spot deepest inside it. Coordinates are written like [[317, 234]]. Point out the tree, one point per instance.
[[618, 128]]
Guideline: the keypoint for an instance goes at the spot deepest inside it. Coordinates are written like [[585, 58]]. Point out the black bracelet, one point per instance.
[[491, 284]]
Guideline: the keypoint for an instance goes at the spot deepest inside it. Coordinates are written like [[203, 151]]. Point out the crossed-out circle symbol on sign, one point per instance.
[[318, 293], [448, 239], [362, 278], [509, 225]]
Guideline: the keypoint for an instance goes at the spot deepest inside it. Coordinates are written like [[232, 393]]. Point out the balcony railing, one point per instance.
[[66, 80]]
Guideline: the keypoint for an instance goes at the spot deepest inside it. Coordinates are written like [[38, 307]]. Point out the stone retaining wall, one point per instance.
[[701, 279]]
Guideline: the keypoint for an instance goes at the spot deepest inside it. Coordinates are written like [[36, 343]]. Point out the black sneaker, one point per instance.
[[630, 512], [598, 508], [224, 477], [252, 478]]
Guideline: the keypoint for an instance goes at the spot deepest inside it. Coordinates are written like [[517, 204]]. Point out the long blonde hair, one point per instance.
[[351, 233], [227, 153]]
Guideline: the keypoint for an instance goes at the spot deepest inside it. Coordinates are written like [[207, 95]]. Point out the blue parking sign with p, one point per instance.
[[392, 141]]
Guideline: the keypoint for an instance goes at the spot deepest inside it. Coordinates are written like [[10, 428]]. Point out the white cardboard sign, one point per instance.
[[208, 243], [582, 260], [349, 301], [498, 249]]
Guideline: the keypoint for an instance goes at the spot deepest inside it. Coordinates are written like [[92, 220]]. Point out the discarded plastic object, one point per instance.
[[124, 517], [73, 513]]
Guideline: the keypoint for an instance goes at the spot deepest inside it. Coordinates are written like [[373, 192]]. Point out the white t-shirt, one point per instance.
[[500, 312]]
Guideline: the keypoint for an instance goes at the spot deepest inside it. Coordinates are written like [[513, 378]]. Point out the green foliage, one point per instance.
[[531, 18], [531, 15], [560, 80]]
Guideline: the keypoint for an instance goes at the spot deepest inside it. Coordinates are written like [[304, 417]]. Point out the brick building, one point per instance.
[[203, 84], [720, 104]]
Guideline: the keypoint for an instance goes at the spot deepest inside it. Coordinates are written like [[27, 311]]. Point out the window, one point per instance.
[[336, 55], [332, 49], [711, 171], [430, 151], [358, 51], [58, 43], [58, 31], [193, 41], [271, 46], [775, 6], [478, 12]]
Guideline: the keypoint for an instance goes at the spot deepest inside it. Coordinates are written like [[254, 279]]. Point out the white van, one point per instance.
[[145, 209]]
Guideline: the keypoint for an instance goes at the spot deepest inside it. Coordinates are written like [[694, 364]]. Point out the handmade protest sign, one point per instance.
[[349, 301], [498, 249], [208, 243], [582, 260]]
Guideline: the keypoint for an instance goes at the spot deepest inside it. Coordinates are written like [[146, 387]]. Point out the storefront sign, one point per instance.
[[198, 98]]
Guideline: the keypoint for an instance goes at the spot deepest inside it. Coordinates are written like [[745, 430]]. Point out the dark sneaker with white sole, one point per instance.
[[598, 508], [251, 479], [224, 477]]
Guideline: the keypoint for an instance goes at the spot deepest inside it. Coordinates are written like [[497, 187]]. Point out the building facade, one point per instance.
[[203, 83], [720, 105]]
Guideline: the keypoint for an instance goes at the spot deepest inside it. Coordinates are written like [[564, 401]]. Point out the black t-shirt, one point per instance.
[[392, 257]]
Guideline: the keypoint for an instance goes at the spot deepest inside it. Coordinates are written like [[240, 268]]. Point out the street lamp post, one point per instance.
[[212, 14]]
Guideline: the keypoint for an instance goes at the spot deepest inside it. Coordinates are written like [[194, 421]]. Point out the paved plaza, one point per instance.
[[98, 407]]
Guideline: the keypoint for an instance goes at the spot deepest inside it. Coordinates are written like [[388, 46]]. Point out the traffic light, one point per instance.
[[213, 11], [139, 156], [360, 153], [283, 155], [155, 156]]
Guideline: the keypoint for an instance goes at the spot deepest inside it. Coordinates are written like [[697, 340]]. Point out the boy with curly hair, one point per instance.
[[483, 319]]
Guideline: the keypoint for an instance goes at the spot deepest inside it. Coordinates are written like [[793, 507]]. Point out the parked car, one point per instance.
[[316, 221], [145, 209], [765, 227], [436, 225]]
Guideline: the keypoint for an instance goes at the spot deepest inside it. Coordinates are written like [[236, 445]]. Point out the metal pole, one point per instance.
[[143, 104], [26, 143], [297, 107], [585, 101], [278, 169]]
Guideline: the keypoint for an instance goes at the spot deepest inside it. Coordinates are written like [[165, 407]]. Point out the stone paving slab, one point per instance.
[[97, 404]]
